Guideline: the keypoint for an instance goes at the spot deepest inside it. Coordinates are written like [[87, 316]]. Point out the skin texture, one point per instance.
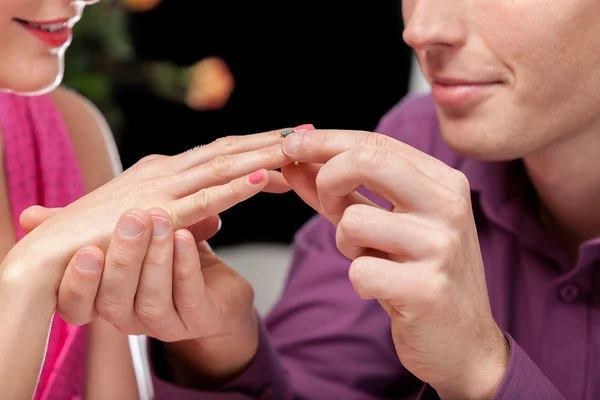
[[527, 51], [28, 64], [545, 108]]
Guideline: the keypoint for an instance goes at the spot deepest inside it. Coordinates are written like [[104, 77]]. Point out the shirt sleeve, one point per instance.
[[321, 341], [523, 380]]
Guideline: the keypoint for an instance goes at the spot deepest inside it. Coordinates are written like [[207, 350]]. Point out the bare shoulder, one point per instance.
[[91, 137]]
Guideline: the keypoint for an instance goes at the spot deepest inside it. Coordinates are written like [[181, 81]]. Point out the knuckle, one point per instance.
[[434, 291], [441, 243], [227, 142], [111, 310], [145, 161], [376, 140], [120, 258], [149, 311], [362, 272], [362, 276], [460, 183], [220, 166], [203, 199], [352, 222], [370, 157], [458, 211], [323, 180], [236, 189], [272, 153], [74, 290], [183, 275], [153, 157], [328, 137], [187, 306]]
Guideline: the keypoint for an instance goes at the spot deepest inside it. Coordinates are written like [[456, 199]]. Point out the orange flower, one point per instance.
[[141, 5], [210, 84]]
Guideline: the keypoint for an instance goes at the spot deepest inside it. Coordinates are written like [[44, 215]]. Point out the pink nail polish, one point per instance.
[[257, 177], [304, 127]]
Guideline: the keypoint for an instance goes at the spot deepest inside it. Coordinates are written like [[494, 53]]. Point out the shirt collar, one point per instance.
[[504, 194]]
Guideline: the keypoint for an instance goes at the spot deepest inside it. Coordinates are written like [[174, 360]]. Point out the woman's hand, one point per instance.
[[190, 187], [420, 259]]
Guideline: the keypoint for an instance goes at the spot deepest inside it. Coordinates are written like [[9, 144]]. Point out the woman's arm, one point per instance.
[[110, 373]]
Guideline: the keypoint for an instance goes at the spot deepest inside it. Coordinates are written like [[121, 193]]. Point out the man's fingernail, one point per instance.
[[304, 127], [181, 244], [160, 226], [131, 225], [291, 143], [220, 225], [88, 261]]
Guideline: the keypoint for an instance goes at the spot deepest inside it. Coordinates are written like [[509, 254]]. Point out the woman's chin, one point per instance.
[[36, 77], [32, 86]]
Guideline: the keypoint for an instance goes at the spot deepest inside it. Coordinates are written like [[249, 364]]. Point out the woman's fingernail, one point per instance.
[[181, 244], [160, 226], [220, 225], [304, 127], [88, 261], [291, 143], [257, 177], [131, 225]]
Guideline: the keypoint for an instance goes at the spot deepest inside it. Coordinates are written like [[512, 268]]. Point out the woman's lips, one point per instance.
[[55, 33]]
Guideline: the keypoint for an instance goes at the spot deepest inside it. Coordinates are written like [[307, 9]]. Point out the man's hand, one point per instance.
[[420, 259]]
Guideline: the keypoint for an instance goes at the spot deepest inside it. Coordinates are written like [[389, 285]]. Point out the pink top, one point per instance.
[[41, 168]]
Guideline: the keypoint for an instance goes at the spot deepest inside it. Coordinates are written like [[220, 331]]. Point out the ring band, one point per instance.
[[286, 131]]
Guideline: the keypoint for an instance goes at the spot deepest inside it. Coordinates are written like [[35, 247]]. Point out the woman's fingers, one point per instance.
[[223, 146], [33, 216], [216, 199], [224, 168], [79, 286]]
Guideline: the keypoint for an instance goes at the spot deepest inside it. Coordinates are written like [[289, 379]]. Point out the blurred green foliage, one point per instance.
[[100, 44], [102, 54]]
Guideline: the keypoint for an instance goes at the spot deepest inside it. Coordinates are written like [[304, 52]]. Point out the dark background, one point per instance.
[[330, 63]]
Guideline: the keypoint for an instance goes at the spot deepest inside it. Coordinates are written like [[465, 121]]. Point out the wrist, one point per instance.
[[27, 286], [483, 378], [211, 362]]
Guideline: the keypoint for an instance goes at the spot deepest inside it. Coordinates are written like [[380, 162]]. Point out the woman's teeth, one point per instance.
[[46, 27]]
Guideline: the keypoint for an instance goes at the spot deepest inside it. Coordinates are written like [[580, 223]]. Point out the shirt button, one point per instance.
[[569, 292]]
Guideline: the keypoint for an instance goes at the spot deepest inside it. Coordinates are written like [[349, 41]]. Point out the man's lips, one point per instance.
[[452, 92]]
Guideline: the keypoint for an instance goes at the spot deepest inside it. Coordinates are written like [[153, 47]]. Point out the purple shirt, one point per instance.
[[322, 341]]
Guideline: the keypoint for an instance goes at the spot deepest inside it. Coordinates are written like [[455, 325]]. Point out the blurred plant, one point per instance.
[[100, 44]]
